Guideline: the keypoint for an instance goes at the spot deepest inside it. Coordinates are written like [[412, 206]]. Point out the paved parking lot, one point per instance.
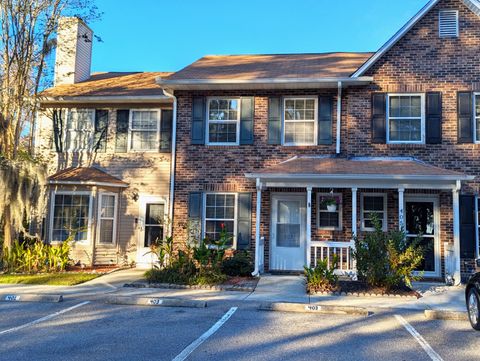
[[97, 331]]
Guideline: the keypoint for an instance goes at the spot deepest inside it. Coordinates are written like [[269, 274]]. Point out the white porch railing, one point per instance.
[[326, 251]]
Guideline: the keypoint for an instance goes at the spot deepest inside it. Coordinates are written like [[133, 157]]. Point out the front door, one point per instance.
[[422, 220], [152, 228], [288, 236]]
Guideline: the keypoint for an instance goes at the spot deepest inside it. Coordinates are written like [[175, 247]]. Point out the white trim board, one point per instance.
[[473, 5]]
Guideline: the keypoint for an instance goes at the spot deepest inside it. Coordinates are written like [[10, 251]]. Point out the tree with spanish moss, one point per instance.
[[27, 38]]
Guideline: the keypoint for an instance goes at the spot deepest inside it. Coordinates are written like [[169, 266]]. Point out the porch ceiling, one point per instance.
[[333, 172]]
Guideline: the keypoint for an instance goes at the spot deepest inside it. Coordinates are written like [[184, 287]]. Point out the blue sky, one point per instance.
[[166, 35]]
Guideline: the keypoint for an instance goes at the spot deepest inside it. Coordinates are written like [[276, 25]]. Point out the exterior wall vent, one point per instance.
[[448, 23]]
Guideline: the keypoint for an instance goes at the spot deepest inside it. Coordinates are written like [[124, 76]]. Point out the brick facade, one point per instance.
[[419, 62]]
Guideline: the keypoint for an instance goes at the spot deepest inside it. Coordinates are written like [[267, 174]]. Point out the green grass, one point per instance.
[[57, 279]]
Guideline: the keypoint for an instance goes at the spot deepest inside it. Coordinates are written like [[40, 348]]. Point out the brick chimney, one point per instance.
[[74, 51]]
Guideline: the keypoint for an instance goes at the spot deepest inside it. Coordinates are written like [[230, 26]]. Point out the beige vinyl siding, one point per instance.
[[147, 173]]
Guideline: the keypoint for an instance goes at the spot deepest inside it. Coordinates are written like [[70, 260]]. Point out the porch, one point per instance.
[[297, 227]]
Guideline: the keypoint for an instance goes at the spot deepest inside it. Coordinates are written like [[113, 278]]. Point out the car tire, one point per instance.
[[473, 307]]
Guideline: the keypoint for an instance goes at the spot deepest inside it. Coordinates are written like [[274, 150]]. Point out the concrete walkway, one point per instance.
[[270, 288]]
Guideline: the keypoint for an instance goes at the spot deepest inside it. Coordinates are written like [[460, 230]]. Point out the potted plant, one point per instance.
[[331, 203]]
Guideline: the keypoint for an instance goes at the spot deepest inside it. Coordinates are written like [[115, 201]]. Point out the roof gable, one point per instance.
[[473, 5]]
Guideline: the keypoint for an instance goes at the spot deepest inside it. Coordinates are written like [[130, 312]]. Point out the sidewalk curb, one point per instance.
[[188, 287], [446, 315], [154, 301], [28, 297], [313, 308]]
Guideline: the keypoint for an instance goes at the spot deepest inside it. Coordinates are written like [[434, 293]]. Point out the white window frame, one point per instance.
[[315, 120], [237, 121], [475, 117], [69, 113], [114, 218], [130, 130], [422, 118], [362, 211], [90, 214], [205, 219], [339, 211]]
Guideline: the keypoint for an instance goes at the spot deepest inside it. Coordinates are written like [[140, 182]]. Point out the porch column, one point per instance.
[[354, 212], [401, 212], [258, 217], [309, 226], [456, 233]]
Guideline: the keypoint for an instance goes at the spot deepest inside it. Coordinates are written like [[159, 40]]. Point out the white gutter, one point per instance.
[[256, 270], [358, 176], [104, 99], [172, 159], [88, 183], [271, 83], [339, 116]]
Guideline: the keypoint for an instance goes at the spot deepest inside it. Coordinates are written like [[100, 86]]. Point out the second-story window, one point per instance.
[[144, 130], [300, 118], [223, 121], [80, 129], [406, 118]]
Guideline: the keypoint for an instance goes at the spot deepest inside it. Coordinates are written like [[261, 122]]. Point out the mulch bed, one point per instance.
[[247, 282], [357, 288], [242, 284], [92, 269]]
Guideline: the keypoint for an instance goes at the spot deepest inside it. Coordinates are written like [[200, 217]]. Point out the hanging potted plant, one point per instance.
[[330, 202]]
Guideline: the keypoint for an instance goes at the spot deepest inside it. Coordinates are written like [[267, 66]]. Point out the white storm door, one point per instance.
[[288, 232]]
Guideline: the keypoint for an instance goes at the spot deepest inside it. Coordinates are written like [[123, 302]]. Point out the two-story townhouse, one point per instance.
[[296, 154], [106, 138]]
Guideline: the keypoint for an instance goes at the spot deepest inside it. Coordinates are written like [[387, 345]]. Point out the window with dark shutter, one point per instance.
[[244, 220], [379, 129], [433, 118], [198, 120], [101, 128], [465, 117], [274, 120], [325, 117], [121, 134], [467, 226], [247, 113], [166, 124]]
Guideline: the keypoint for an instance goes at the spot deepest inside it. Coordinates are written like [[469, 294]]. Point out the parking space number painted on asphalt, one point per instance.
[[12, 298], [313, 308]]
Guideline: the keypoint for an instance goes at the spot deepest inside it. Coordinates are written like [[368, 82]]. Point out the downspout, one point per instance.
[[339, 116], [256, 270], [172, 160]]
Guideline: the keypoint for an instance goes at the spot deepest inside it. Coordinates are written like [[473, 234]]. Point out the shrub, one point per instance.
[[387, 259], [36, 256], [322, 278], [240, 264]]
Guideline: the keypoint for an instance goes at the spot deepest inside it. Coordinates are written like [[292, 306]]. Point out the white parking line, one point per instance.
[[428, 349], [190, 348], [46, 318]]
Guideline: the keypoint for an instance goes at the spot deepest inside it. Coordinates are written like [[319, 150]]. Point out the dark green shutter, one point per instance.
[[379, 118], [275, 120], [59, 124], [166, 130], [246, 120], [121, 135], [325, 117], [465, 117], [467, 226], [433, 118], [195, 206], [101, 128], [198, 120], [244, 220]]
